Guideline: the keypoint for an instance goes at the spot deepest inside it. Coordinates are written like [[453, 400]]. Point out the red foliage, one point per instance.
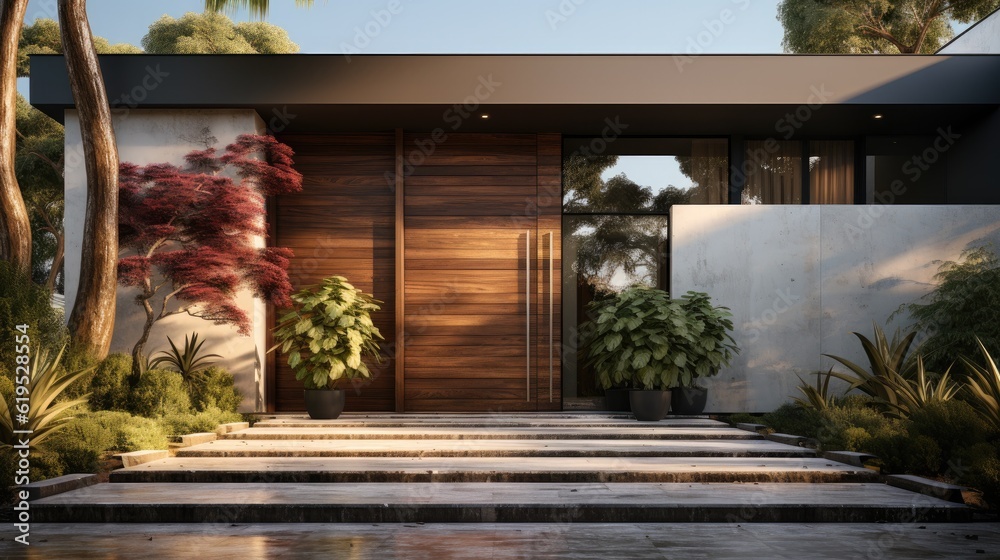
[[191, 230]]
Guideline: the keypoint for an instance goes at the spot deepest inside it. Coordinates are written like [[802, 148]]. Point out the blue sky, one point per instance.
[[479, 26]]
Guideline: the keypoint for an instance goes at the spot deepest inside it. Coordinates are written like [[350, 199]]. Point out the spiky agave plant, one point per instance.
[[983, 386], [898, 384], [817, 397], [45, 414], [189, 361]]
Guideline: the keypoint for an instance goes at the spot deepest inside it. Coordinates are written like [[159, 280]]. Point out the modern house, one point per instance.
[[478, 197]]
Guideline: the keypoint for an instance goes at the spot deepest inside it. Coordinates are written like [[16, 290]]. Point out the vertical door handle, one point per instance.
[[527, 314], [552, 249]]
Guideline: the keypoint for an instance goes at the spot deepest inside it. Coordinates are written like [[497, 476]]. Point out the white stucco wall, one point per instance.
[[800, 279], [158, 136], [982, 38]]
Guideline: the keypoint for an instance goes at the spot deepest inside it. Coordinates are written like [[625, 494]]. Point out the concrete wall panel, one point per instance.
[[800, 279]]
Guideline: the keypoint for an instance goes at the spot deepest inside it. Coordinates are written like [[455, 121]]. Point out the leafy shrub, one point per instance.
[[88, 437], [985, 476], [180, 423], [743, 418], [793, 419], [46, 465], [81, 444], [215, 389], [955, 428], [109, 388], [130, 433], [79, 358], [160, 393], [24, 303], [962, 307]]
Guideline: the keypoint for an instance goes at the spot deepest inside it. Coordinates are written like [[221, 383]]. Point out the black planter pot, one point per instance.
[[688, 401], [649, 406], [324, 404], [616, 400]]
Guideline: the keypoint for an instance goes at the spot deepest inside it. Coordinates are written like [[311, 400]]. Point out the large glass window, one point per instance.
[[775, 172], [615, 225]]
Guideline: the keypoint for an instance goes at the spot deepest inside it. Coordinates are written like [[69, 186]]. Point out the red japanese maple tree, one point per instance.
[[189, 233]]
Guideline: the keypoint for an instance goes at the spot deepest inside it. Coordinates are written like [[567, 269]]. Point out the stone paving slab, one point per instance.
[[488, 502], [489, 469], [582, 541], [492, 448], [632, 431], [486, 420]]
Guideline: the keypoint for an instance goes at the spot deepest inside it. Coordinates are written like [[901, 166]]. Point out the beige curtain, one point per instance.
[[710, 171], [775, 176], [831, 172]]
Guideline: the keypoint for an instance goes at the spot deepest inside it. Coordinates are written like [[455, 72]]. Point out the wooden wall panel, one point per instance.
[[343, 223], [470, 212], [453, 228]]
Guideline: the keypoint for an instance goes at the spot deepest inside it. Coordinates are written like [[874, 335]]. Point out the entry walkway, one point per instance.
[[502, 486]]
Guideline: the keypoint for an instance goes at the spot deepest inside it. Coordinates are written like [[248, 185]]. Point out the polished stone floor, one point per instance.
[[509, 541]]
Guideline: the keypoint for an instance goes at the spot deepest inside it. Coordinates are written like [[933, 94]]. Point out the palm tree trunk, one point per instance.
[[15, 227], [92, 321]]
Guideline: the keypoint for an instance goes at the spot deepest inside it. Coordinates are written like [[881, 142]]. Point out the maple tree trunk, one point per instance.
[[92, 321], [141, 344], [15, 227]]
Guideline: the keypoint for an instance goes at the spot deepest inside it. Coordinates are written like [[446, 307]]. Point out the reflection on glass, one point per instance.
[[775, 172], [616, 199], [603, 255], [695, 173]]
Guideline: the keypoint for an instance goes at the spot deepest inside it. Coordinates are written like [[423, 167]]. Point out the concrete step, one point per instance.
[[485, 502], [356, 420], [632, 431], [492, 448], [493, 469]]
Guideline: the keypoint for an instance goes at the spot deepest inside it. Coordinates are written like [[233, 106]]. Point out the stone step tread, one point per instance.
[[633, 431], [260, 502], [484, 420], [495, 448], [491, 469], [550, 540]]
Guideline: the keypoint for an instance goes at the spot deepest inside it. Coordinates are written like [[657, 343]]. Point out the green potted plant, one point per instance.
[[325, 336], [710, 349], [634, 341]]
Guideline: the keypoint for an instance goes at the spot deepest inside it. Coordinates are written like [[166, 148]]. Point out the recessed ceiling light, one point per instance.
[[484, 116], [877, 116]]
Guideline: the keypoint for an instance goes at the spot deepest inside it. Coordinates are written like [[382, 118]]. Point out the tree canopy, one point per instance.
[[42, 37], [875, 26], [213, 33], [190, 233], [257, 8]]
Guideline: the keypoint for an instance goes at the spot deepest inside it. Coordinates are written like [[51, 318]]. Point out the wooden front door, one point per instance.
[[478, 291]]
